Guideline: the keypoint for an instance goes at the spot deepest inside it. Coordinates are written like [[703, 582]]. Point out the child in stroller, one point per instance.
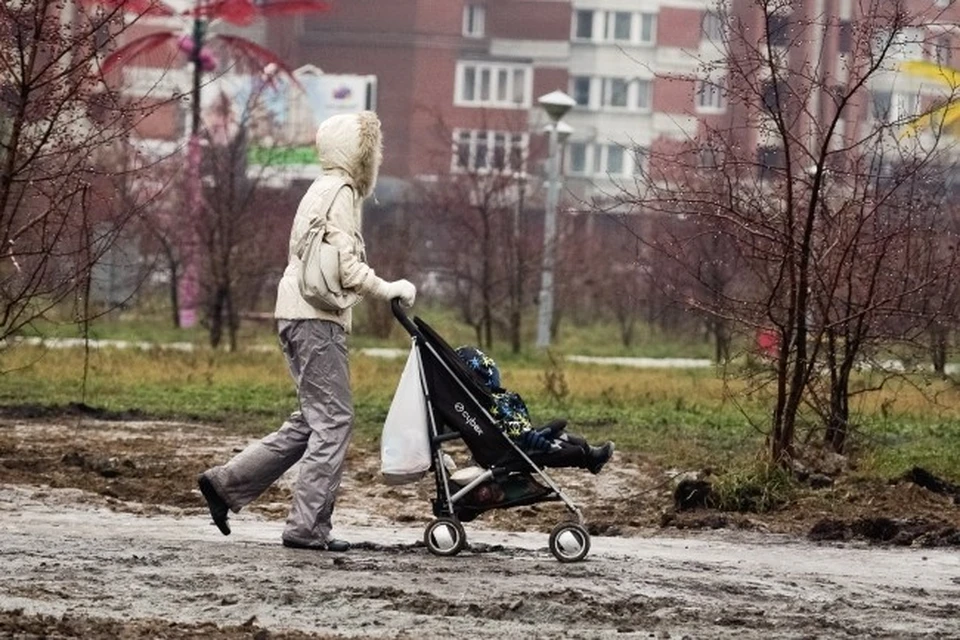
[[555, 446], [461, 406]]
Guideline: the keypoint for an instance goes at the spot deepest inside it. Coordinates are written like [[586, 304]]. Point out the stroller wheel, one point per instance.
[[569, 542], [445, 537]]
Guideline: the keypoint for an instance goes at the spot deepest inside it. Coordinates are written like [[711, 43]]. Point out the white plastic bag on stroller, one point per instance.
[[405, 446]]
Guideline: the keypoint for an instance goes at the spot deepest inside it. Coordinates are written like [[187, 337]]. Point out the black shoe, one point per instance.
[[329, 545], [599, 457], [218, 506]]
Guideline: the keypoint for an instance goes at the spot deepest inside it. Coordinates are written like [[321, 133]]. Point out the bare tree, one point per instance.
[[481, 239], [60, 128], [234, 227], [816, 202], [388, 221]]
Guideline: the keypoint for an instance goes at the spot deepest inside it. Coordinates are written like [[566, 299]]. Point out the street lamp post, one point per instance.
[[556, 104], [189, 295]]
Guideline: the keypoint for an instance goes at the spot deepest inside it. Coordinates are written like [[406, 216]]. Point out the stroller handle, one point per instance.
[[403, 319]]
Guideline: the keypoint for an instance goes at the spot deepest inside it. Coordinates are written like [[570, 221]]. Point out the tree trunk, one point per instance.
[[486, 283], [515, 327], [174, 286], [628, 326], [555, 325], [487, 321], [838, 423], [791, 380], [721, 340], [516, 279], [216, 317], [938, 348], [838, 420], [233, 320], [776, 440]]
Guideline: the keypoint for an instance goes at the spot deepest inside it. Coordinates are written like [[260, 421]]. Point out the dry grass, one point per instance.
[[687, 418]]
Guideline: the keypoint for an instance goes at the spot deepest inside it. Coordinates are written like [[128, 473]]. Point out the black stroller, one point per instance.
[[458, 408]]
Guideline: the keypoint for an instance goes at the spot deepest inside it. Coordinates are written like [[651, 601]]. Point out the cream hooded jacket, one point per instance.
[[350, 150]]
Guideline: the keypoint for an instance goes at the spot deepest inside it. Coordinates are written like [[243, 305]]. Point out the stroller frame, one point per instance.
[[499, 457]]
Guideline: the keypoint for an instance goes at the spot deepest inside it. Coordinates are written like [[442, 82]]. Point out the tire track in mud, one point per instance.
[[102, 567]]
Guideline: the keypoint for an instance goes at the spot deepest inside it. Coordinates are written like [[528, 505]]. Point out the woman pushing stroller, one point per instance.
[[551, 443]]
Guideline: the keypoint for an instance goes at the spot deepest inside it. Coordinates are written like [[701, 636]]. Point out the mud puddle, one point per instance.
[[102, 534]]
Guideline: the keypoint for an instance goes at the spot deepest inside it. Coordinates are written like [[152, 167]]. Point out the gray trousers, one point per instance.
[[317, 435]]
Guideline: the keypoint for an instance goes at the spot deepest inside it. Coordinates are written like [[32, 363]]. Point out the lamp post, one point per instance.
[[189, 295], [556, 104]]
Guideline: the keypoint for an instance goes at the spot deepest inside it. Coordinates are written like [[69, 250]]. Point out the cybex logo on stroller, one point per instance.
[[470, 420]]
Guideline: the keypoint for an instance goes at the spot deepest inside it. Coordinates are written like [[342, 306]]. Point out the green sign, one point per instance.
[[281, 156]]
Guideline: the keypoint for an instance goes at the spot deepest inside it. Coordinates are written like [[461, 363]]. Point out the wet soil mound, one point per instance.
[[72, 409], [18, 625], [923, 478], [904, 532]]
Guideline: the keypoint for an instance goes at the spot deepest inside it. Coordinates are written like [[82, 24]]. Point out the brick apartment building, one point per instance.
[[632, 69], [463, 71], [829, 45], [458, 80], [647, 74]]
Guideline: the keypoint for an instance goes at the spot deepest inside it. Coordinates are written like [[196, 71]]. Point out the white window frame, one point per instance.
[[712, 27], [571, 170], [606, 94], [575, 23], [474, 20], [639, 159], [590, 91], [637, 90], [903, 105], [610, 27], [626, 164], [490, 138], [603, 27], [611, 147], [710, 96], [653, 28], [597, 161], [906, 44], [601, 92], [490, 74]]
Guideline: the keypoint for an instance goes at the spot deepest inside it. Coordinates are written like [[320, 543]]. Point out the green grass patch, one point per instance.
[[888, 447], [687, 419], [759, 487], [151, 323], [142, 328], [248, 390]]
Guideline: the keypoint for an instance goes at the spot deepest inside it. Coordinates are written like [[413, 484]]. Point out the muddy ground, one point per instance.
[[102, 534]]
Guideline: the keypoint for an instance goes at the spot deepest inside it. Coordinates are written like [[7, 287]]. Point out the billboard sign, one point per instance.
[[282, 117]]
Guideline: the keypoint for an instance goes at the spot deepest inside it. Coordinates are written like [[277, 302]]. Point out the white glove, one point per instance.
[[402, 289]]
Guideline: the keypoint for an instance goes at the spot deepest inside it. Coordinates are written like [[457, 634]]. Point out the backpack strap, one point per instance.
[[319, 224]]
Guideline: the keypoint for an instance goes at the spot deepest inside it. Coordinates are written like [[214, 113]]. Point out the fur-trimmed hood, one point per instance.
[[351, 143]]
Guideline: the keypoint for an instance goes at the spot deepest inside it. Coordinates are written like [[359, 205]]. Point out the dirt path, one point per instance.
[[102, 535], [94, 562]]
